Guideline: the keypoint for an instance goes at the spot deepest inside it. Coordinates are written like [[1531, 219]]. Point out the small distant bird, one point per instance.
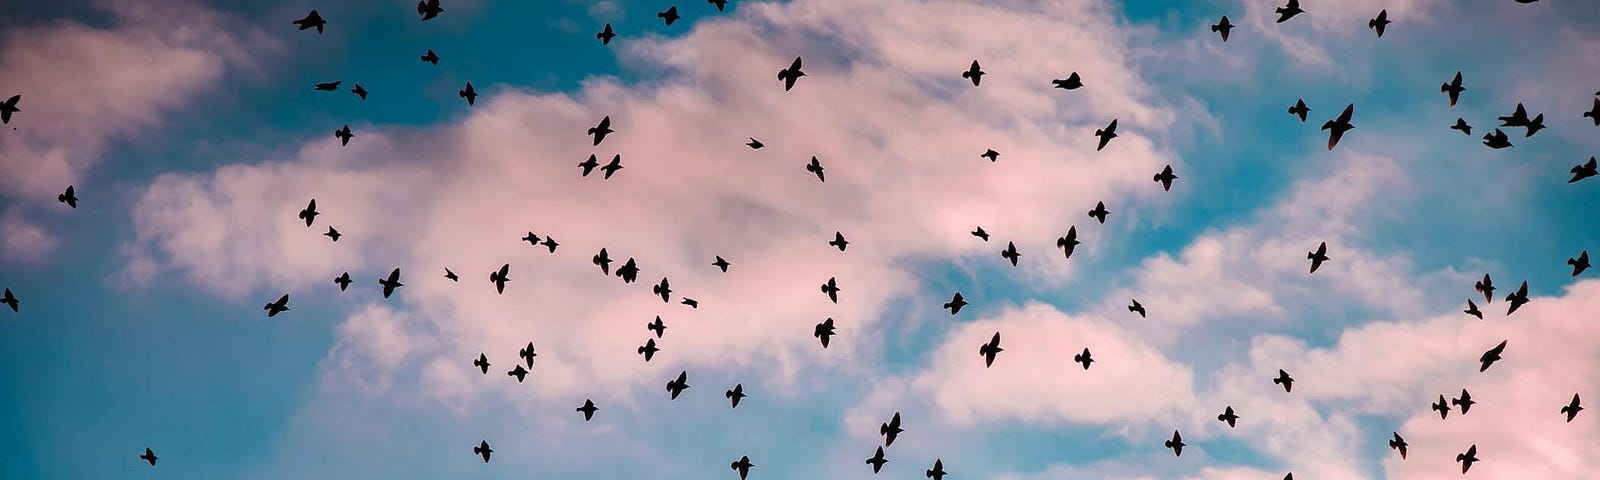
[[663, 289], [1486, 287], [1072, 82], [1469, 457], [1099, 212], [451, 275], [1534, 126], [1579, 264], [1580, 172], [1223, 27], [1472, 309], [612, 167], [734, 395], [1317, 257], [1300, 109], [629, 271], [308, 214], [68, 197], [344, 135], [877, 460], [468, 93], [1442, 407], [359, 91], [839, 241], [816, 168], [312, 20], [9, 107], [1084, 358], [669, 16], [1464, 401], [391, 283], [982, 235], [1398, 444], [720, 4], [791, 74], [1106, 134], [990, 154], [1228, 417], [327, 86], [649, 349], [1136, 307], [1453, 88], [589, 165], [1517, 298], [600, 130], [742, 466], [602, 260], [677, 386], [1572, 408], [989, 350], [1380, 22], [1010, 253], [527, 353], [10, 300], [1461, 124], [1285, 380], [1492, 355], [333, 234], [280, 306], [150, 456], [937, 472], [721, 264], [1288, 11], [1337, 127], [531, 239], [482, 363], [483, 450], [754, 144], [1592, 114], [692, 303], [955, 304], [657, 326], [1069, 242], [550, 243], [429, 9], [519, 372], [1166, 177], [1176, 444], [831, 288], [588, 409], [606, 35], [1518, 118], [890, 429], [973, 73], [430, 57]]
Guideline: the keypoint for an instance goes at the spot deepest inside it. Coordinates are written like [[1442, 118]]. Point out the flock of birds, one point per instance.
[[628, 272]]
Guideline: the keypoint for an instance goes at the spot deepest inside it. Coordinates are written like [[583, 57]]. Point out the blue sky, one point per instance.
[[193, 136]]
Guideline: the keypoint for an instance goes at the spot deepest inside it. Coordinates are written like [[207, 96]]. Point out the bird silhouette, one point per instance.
[[527, 353], [500, 278], [1496, 140], [1472, 309], [1136, 307], [824, 331], [1579, 264], [657, 326], [1069, 242], [1099, 212], [890, 429], [1534, 125], [1461, 125], [663, 289], [599, 131], [989, 350], [359, 91], [429, 9], [877, 460], [1582, 171], [327, 86], [1592, 114], [483, 450], [742, 466], [10, 300], [1442, 407], [68, 197], [1223, 27], [649, 349], [955, 304], [690, 302], [531, 239], [603, 260], [1468, 458], [629, 271], [589, 165], [1176, 444], [451, 275], [937, 472], [280, 306], [1288, 11], [1010, 253], [990, 154], [720, 4], [1338, 126], [831, 288], [791, 74], [1517, 298], [519, 372], [982, 235], [677, 386], [1453, 88], [482, 363], [588, 409], [1166, 177], [1379, 23], [149, 456], [1518, 118], [1492, 355], [721, 264], [754, 144], [430, 57], [973, 73], [1486, 287], [606, 35], [838, 241], [312, 20], [1572, 408], [1300, 109], [391, 283], [550, 243], [9, 107], [333, 234], [1106, 134], [468, 93], [1228, 417], [734, 395], [1317, 257], [816, 168], [1398, 444], [1072, 82], [344, 135], [612, 167], [669, 16], [1464, 401], [1084, 358], [1285, 380]]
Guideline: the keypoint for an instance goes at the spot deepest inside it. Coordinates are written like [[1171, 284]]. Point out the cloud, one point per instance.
[[22, 240]]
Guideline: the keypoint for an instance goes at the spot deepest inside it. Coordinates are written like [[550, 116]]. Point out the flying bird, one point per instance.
[[663, 289], [1072, 82], [1496, 140], [1288, 11], [344, 135], [1084, 358], [602, 260], [973, 73], [1106, 134], [359, 91], [1572, 408], [629, 271], [742, 466], [588, 409], [1166, 177], [430, 57], [1068, 243], [1592, 114], [333, 234], [982, 235], [1518, 118], [669, 16], [550, 243], [531, 239], [989, 350], [519, 372], [327, 86], [1228, 416], [734, 395], [527, 353], [657, 326], [678, 385], [589, 165], [720, 4], [1337, 127], [312, 20], [9, 107], [754, 144], [10, 300], [1317, 257], [482, 363], [877, 460], [150, 456], [1010, 253], [649, 349], [468, 93], [600, 130], [1453, 88], [937, 472], [391, 283], [1136, 307], [1099, 212], [612, 167], [1380, 22], [955, 304], [1176, 444], [1285, 380], [429, 9], [483, 450], [1486, 287], [1472, 309], [990, 154], [791, 74], [1579, 264], [606, 35], [1464, 401], [824, 331], [816, 168], [721, 264], [68, 197], [1461, 125], [1468, 458], [1223, 27], [1300, 109], [1398, 444], [1492, 355], [1580, 172], [839, 241], [451, 275], [280, 306], [890, 429], [831, 289], [1534, 126], [1517, 298], [1442, 407]]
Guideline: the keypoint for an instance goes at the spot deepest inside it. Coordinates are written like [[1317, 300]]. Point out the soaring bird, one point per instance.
[[937, 472], [955, 304], [742, 466], [1592, 114], [1486, 287], [1176, 444], [1288, 11], [1398, 444], [1517, 118], [721, 264], [606, 35], [359, 91], [1496, 140], [973, 73], [1072, 82], [483, 450], [657, 326], [391, 283], [791, 74], [839, 241], [1464, 401], [669, 16], [831, 288], [1468, 458], [734, 395], [451, 275], [150, 456], [1580, 172], [989, 350], [678, 385], [280, 306], [629, 271], [344, 135], [754, 144], [589, 165], [482, 363], [815, 167], [649, 349], [1453, 88], [333, 234], [68, 197], [1461, 125], [10, 300], [588, 409], [600, 130], [1136, 307], [429, 9], [9, 107], [824, 331], [1069, 242], [1517, 298], [468, 93], [1165, 178], [877, 460], [312, 20], [1579, 264], [327, 86], [1492, 355], [1442, 406], [602, 260], [1223, 27], [990, 154], [890, 429], [1228, 416], [663, 289], [430, 57], [519, 372], [1285, 380], [1106, 134], [982, 235], [527, 353], [612, 167], [1572, 408], [1319, 256], [1084, 358], [1299, 109], [1338, 126], [1010, 253], [720, 4], [1380, 22], [1099, 212], [1472, 309]]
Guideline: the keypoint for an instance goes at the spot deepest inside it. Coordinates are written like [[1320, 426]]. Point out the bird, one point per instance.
[[1468, 458], [359, 91], [669, 16], [527, 353], [982, 235], [973, 73], [1534, 126], [611, 167], [309, 213], [482, 363], [663, 289], [1166, 177], [1106, 134], [1338, 126], [1300, 109], [1069, 242], [1486, 287], [1228, 416], [606, 34], [1137, 308], [149, 456], [1453, 88], [1176, 444], [1223, 27], [1572, 409], [1010, 253], [791, 74], [1380, 22], [955, 303], [877, 460], [1517, 298], [602, 260], [649, 349], [734, 395], [429, 9], [754, 144], [280, 306], [1099, 212], [1398, 444], [531, 239], [1472, 309], [391, 283], [550, 242], [483, 450], [327, 86], [1496, 140], [1592, 114], [657, 326], [1580, 172], [69, 197], [1285, 380], [518, 372], [9, 107], [720, 4], [344, 135], [742, 466], [989, 350], [600, 130], [333, 234], [1442, 407], [678, 385], [1461, 124], [1288, 11], [1517, 118], [839, 241], [629, 271], [588, 409], [312, 20], [451, 275], [816, 168], [430, 57], [1084, 358], [10, 300], [1464, 401], [831, 288], [824, 331], [589, 165], [1579, 264], [721, 264], [990, 154], [937, 472], [1492, 355], [1072, 82], [1317, 257], [468, 93], [890, 429]]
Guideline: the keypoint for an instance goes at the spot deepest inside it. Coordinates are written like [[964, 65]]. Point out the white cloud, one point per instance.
[[21, 240]]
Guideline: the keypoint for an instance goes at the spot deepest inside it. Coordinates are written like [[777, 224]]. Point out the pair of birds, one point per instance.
[[428, 9], [1336, 127], [309, 214]]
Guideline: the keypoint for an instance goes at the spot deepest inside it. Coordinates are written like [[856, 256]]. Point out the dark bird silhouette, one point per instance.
[[1176, 444], [629, 271], [602, 260], [955, 303], [1337, 127], [982, 235], [1442, 407], [839, 241], [344, 135], [606, 34], [1486, 287], [1453, 88], [1472, 309], [791, 74], [333, 234], [742, 466], [1084, 358], [1534, 126], [429, 9], [10, 300], [482, 363], [327, 86], [359, 91], [483, 450], [1010, 253], [430, 57], [973, 73], [1518, 118], [149, 456], [1592, 114], [1398, 444], [1099, 212], [1461, 124], [612, 167], [518, 372], [531, 239], [877, 460], [500, 278], [588, 409], [721, 264], [1136, 307], [527, 353], [1468, 458], [1317, 257], [937, 472], [1492, 355], [1068, 243], [657, 326], [990, 154], [468, 93], [600, 130], [823, 331], [312, 20], [1572, 408], [1496, 140], [451, 275], [1379, 23], [754, 144], [1228, 417], [1517, 298], [816, 168], [734, 395], [649, 349], [550, 243], [1579, 264], [1464, 401], [309, 213], [1285, 380], [677, 386], [589, 165], [280, 306], [1223, 27], [1300, 109], [391, 283], [831, 289], [9, 107], [68, 197], [1072, 82], [720, 4], [890, 429], [1580, 172], [1288, 11], [989, 350], [663, 289], [692, 303], [1166, 177], [669, 16], [1106, 134]]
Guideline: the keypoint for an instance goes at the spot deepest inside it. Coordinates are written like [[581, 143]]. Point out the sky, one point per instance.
[[192, 137]]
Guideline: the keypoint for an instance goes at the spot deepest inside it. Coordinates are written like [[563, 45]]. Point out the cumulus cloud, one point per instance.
[[22, 240]]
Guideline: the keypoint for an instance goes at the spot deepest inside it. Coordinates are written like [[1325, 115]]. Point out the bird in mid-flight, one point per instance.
[[519, 372], [1467, 458], [1136, 307], [1288, 11], [149, 456], [312, 20], [890, 429], [989, 350], [1106, 134], [1517, 298], [1486, 287], [527, 353], [359, 91], [1338, 126], [955, 303], [10, 300], [430, 57], [68, 197], [839, 241], [754, 144], [1379, 23], [629, 271], [1166, 177], [1176, 444], [309, 213], [589, 165], [333, 233], [824, 331], [1442, 406], [280, 306], [1592, 114], [451, 275], [1464, 401], [588, 409], [1317, 257], [344, 135], [982, 235], [483, 450], [937, 472], [391, 283], [990, 154], [1099, 212], [1461, 125], [1496, 140], [720, 4], [831, 288], [1299, 109], [973, 73], [1072, 82], [742, 465], [1453, 88], [1398, 444], [791, 74], [600, 130], [429, 9], [678, 385], [1492, 355], [877, 460], [663, 289], [721, 264], [816, 168], [468, 93], [657, 326], [734, 395], [1223, 27], [1285, 380], [1572, 409], [1582, 171], [649, 348], [9, 107], [482, 363], [669, 16], [327, 86], [611, 167], [1472, 309], [1579, 264], [606, 35], [1069, 242], [1084, 358], [1010, 253], [1228, 416]]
